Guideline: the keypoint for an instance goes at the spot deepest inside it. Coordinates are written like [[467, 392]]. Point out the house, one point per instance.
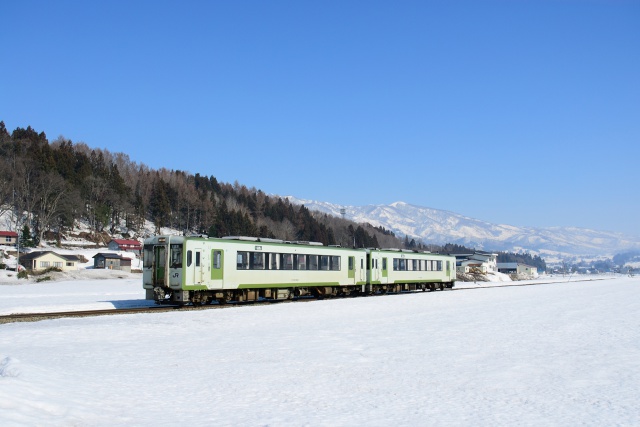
[[517, 268], [46, 259], [125, 245], [470, 265], [486, 262], [112, 262], [8, 238]]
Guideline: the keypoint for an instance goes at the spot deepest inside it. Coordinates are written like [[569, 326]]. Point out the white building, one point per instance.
[[517, 268], [485, 262], [35, 261]]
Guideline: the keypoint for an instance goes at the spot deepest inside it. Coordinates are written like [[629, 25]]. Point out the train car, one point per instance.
[[181, 269], [395, 270]]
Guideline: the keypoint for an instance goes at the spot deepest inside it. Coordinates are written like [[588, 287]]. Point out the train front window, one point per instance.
[[176, 256], [148, 256]]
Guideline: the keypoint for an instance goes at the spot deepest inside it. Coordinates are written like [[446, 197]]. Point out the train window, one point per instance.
[[197, 259], [217, 260], [439, 265], [148, 256], [351, 261], [395, 264], [274, 261], [324, 262], [402, 264], [256, 261], [335, 263], [242, 261], [384, 264], [176, 256], [189, 258], [301, 261], [313, 262], [286, 262]]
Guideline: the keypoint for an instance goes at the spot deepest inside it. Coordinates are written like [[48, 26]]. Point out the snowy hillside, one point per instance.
[[439, 227]]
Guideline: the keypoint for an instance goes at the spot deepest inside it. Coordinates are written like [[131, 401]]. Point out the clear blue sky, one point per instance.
[[516, 112]]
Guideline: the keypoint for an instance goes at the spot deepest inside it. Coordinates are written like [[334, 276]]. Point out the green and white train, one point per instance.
[[199, 270]]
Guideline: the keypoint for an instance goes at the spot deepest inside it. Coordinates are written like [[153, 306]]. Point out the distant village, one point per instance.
[[470, 265]]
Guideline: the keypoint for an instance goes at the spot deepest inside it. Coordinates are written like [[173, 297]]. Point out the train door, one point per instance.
[[195, 265], [159, 264], [385, 270], [352, 270], [363, 270], [200, 266], [374, 268], [217, 268]]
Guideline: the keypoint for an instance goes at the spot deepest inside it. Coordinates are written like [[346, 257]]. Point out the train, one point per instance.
[[200, 270]]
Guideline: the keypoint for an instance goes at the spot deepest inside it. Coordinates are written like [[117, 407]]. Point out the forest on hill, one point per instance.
[[45, 186]]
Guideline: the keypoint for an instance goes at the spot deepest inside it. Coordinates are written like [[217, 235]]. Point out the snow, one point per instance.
[[565, 353]]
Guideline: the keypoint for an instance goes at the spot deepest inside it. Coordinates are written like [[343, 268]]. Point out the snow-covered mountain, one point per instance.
[[439, 227]]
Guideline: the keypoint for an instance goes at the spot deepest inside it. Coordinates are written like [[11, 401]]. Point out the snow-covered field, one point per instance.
[[557, 354]]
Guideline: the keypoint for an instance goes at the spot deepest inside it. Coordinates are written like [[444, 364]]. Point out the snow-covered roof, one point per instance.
[[125, 242], [109, 255], [38, 254]]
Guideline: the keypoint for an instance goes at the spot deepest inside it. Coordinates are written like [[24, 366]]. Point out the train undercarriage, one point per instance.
[[203, 297]]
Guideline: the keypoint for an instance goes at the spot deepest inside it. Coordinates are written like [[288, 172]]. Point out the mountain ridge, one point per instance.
[[438, 226]]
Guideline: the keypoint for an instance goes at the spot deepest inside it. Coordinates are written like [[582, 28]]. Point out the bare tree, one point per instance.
[[50, 188], [6, 186]]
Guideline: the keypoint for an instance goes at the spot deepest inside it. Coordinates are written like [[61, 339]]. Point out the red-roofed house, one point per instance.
[[125, 245], [8, 238]]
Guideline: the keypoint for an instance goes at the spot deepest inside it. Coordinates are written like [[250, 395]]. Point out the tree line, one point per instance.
[[45, 186]]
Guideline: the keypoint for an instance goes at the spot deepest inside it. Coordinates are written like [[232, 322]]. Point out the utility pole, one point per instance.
[[18, 253], [19, 222]]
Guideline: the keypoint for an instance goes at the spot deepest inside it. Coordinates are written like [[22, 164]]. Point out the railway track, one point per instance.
[[34, 317]]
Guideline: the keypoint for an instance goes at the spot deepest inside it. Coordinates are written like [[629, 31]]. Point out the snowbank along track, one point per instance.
[[33, 317]]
